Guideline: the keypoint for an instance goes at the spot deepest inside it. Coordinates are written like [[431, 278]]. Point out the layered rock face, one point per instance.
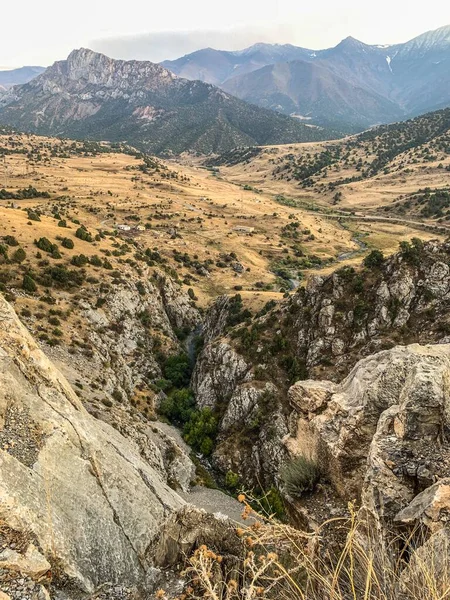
[[382, 434], [323, 330], [86, 501]]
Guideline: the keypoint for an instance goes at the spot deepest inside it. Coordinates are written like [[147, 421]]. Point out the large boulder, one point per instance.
[[381, 436], [82, 495]]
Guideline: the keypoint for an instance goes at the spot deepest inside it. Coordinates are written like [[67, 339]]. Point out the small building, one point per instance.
[[123, 227], [140, 227], [242, 229]]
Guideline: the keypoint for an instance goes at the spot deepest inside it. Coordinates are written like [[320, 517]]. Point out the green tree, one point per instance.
[[374, 260], [178, 406], [201, 430], [19, 255], [28, 283], [177, 369]]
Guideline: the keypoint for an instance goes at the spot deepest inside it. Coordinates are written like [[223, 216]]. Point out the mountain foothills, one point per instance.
[[351, 86], [388, 172], [94, 97]]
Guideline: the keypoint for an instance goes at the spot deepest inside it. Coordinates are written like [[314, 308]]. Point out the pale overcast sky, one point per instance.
[[38, 32]]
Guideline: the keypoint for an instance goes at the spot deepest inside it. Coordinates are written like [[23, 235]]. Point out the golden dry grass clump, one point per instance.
[[284, 563]]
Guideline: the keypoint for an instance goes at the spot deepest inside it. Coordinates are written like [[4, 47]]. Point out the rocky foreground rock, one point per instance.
[[382, 435], [83, 501]]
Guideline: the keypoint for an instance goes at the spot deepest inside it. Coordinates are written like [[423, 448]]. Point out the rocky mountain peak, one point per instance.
[[352, 45], [144, 104], [88, 67]]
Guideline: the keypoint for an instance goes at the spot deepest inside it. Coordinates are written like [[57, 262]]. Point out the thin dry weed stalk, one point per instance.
[[280, 562]]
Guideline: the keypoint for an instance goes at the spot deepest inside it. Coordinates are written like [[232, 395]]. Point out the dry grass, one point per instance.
[[203, 209], [366, 195], [284, 563]]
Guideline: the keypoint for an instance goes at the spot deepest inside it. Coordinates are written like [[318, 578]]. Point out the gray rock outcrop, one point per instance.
[[81, 494], [381, 436], [320, 332]]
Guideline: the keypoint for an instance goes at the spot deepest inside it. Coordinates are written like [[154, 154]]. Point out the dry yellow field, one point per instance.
[[366, 195], [242, 236]]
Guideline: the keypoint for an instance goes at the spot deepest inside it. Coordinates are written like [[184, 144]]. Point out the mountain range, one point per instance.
[[352, 86], [95, 97], [18, 76], [211, 101]]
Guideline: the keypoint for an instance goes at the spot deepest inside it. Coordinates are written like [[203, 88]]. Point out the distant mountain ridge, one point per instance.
[[92, 96], [18, 76], [217, 66], [359, 85]]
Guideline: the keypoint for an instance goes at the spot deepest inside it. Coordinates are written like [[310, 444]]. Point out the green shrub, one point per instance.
[[83, 234], [33, 216], [10, 240], [411, 251], [117, 395], [19, 255], [46, 245], [163, 385], [28, 284], [272, 504], [374, 260], [96, 261], [79, 260], [299, 476], [67, 243], [231, 480]]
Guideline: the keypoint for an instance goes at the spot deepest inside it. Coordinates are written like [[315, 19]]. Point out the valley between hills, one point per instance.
[[259, 221], [214, 368]]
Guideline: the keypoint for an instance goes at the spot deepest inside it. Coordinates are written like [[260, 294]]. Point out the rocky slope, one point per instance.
[[244, 373], [69, 484], [120, 356], [92, 96]]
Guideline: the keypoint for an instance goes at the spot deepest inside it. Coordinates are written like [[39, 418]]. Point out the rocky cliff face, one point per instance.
[[382, 434], [118, 326], [245, 373], [85, 501]]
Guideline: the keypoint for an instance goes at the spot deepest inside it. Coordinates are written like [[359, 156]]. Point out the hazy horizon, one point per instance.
[[166, 32]]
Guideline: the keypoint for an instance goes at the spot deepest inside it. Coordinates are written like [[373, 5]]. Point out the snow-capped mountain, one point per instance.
[[356, 85]]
